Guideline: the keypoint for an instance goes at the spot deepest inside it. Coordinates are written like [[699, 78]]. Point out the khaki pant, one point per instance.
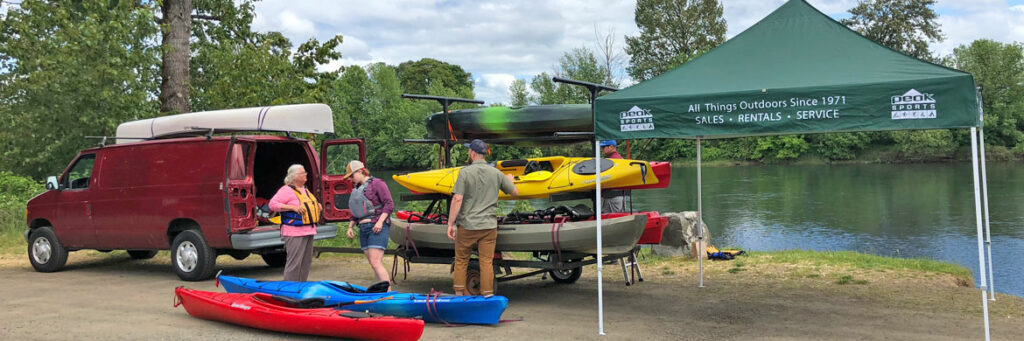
[[484, 240]]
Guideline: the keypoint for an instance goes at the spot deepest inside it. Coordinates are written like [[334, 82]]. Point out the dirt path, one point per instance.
[[110, 297]]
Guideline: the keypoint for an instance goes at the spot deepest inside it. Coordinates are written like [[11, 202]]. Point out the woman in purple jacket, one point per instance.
[[371, 206]]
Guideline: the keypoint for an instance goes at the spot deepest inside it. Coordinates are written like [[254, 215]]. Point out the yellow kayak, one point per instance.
[[541, 177]]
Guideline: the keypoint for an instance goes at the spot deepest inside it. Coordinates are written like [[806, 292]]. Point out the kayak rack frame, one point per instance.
[[543, 262]]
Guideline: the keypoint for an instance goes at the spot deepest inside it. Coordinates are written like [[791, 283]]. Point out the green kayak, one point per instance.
[[511, 122]]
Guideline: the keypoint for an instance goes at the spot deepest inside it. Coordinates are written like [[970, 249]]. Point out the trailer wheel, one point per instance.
[[473, 280], [567, 276]]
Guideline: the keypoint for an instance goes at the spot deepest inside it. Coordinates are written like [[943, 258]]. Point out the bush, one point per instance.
[[840, 146], [15, 191], [925, 144], [998, 153]]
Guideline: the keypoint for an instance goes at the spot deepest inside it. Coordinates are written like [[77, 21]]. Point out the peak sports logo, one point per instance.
[[636, 119], [913, 105]]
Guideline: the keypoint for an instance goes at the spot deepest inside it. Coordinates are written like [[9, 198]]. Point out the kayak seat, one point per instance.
[[514, 163], [379, 287], [536, 176], [305, 303], [346, 287]]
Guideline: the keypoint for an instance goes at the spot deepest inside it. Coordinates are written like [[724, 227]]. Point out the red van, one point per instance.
[[197, 196]]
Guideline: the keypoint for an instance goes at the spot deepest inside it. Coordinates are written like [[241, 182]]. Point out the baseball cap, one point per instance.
[[606, 143], [352, 167], [478, 146]]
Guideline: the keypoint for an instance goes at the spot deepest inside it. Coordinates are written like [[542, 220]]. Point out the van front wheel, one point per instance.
[[44, 251], [192, 258]]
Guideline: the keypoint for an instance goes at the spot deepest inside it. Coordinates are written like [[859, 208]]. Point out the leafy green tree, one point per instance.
[[580, 64], [429, 76], [70, 69], [907, 26], [671, 33], [233, 66], [925, 144], [999, 70], [518, 93], [840, 146], [545, 89], [370, 100]]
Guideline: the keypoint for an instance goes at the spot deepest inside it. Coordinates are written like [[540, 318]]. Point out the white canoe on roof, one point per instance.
[[297, 118]]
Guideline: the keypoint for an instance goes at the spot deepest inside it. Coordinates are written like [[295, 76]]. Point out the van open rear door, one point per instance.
[[334, 156], [240, 190]]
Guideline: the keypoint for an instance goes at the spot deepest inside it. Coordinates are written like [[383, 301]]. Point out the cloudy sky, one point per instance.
[[499, 41]]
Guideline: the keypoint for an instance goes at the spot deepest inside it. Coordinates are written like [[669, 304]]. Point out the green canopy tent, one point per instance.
[[795, 71]]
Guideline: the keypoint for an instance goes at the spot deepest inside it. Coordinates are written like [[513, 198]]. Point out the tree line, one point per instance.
[[74, 68], [673, 32]]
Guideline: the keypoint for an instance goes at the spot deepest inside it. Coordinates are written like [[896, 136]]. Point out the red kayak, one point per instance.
[[275, 313]]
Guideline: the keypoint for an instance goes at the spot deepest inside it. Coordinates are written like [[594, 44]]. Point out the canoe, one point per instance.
[[539, 178], [268, 312], [296, 118], [431, 308], [511, 122], [618, 235]]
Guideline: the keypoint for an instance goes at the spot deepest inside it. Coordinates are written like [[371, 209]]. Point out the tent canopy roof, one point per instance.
[[802, 58]]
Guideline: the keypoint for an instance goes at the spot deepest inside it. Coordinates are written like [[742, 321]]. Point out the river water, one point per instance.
[[906, 210]]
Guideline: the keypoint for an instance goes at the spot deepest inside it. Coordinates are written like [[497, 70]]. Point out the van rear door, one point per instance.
[[334, 156], [240, 191]]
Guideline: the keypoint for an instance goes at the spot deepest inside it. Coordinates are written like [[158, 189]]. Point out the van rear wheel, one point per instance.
[[276, 259], [44, 250], [192, 258]]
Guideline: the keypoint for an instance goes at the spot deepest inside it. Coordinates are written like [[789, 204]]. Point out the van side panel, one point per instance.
[[142, 188]]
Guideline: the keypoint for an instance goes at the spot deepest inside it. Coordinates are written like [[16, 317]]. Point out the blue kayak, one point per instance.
[[441, 308]]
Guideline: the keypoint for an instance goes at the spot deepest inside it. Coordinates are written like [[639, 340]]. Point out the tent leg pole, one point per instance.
[[600, 261], [984, 205], [977, 216], [700, 220]]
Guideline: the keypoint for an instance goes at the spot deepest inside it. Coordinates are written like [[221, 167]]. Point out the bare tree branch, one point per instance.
[[206, 17]]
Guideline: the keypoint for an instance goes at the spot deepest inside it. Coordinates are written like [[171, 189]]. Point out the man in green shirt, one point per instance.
[[474, 201]]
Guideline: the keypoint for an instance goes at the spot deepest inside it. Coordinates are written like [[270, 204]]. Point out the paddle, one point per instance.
[[341, 304]]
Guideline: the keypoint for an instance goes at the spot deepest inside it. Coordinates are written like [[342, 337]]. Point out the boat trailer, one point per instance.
[[565, 269]]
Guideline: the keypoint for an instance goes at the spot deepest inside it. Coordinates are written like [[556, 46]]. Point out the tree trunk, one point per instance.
[[177, 30]]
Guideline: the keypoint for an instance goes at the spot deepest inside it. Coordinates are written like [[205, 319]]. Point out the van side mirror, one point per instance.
[[51, 183]]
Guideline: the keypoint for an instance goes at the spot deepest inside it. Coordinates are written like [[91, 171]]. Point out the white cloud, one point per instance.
[[493, 85], [499, 40], [293, 24], [990, 19]]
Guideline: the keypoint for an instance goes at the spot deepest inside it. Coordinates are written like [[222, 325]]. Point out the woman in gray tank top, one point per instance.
[[371, 206]]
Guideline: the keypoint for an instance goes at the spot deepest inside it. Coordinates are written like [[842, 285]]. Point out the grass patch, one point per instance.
[[859, 261], [847, 279]]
